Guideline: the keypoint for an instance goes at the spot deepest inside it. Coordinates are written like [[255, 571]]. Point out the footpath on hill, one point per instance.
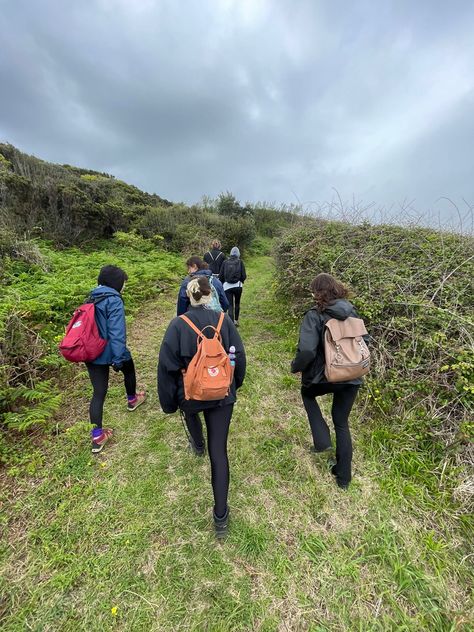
[[124, 541]]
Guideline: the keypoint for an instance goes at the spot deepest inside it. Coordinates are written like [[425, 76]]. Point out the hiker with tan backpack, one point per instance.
[[200, 367], [332, 357]]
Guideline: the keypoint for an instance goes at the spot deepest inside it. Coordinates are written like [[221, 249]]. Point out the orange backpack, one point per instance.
[[347, 355], [209, 374]]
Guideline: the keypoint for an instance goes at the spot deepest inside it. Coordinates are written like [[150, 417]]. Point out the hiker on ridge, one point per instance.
[[177, 351], [110, 319], [330, 298], [197, 267], [215, 257], [233, 275]]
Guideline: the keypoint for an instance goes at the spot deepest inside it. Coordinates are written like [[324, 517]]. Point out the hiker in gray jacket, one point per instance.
[[331, 302]]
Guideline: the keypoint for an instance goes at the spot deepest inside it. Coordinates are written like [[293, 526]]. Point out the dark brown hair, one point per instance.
[[196, 261], [326, 289], [204, 288]]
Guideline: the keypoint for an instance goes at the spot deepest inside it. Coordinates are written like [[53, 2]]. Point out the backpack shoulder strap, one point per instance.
[[210, 254], [192, 325], [219, 325]]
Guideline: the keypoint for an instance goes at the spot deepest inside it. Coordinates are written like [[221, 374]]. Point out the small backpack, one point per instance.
[[82, 341], [232, 270], [215, 303], [209, 374], [347, 355]]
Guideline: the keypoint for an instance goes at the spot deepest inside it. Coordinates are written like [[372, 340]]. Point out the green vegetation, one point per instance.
[[414, 288], [124, 541], [38, 298]]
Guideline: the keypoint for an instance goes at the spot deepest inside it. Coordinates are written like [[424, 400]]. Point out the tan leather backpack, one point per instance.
[[347, 355], [209, 374]]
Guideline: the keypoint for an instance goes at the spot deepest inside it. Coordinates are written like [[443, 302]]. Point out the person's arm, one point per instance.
[[169, 370], [243, 273], [310, 333], [222, 272], [222, 297], [116, 331], [183, 300], [367, 337], [240, 357]]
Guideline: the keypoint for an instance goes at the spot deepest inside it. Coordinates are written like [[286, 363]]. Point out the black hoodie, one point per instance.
[[310, 353]]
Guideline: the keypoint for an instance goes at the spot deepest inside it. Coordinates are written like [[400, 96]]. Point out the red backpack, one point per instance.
[[82, 342]]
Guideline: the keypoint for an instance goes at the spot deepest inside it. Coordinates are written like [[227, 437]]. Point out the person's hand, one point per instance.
[[117, 367]]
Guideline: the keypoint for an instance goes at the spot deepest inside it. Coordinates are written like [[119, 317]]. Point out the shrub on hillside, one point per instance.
[[414, 289]]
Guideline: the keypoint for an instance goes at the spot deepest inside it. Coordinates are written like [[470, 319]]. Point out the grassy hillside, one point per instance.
[[124, 541]]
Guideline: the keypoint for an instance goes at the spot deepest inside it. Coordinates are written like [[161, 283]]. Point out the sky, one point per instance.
[[323, 103]]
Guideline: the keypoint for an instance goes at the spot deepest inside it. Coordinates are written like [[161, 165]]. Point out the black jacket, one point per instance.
[[310, 358], [215, 258], [177, 350], [222, 273]]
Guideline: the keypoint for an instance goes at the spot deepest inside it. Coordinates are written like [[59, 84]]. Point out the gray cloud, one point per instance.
[[272, 99]]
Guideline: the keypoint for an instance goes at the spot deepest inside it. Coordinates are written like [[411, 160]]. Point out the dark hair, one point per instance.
[[112, 276], [204, 288], [326, 289], [196, 261]]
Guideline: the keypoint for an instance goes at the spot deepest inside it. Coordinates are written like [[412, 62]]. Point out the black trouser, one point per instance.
[[217, 423], [233, 296], [343, 399], [99, 376]]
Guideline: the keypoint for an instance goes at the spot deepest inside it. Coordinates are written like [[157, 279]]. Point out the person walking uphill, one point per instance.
[[331, 302], [233, 275], [197, 267], [178, 349], [215, 257], [110, 319]]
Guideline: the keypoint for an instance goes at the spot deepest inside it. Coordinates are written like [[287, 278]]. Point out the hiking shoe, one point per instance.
[[315, 451], [199, 450], [133, 404], [99, 442], [236, 323], [221, 525], [340, 484]]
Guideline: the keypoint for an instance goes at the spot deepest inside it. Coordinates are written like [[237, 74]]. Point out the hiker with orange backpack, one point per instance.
[[110, 320], [332, 356], [200, 367]]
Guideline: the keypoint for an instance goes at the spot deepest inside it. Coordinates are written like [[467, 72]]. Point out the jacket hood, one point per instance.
[[340, 309], [207, 273], [104, 289]]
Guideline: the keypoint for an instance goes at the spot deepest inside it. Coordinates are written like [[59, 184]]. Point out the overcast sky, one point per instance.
[[276, 100]]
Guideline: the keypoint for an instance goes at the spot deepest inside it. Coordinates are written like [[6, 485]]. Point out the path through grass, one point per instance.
[[123, 541]]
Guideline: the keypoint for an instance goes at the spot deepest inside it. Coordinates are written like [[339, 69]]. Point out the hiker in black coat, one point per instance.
[[331, 302], [232, 276], [215, 257], [177, 350]]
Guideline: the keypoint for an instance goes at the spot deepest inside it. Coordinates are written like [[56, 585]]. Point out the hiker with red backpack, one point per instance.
[[200, 367], [97, 335], [332, 357], [197, 267], [215, 257], [233, 275]]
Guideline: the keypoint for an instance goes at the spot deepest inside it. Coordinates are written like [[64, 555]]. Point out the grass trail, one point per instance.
[[123, 541]]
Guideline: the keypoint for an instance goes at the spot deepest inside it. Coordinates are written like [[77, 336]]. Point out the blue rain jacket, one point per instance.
[[184, 303], [110, 319]]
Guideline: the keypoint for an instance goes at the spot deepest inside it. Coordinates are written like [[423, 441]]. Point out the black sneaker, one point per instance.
[[316, 451], [221, 525], [340, 484], [199, 450]]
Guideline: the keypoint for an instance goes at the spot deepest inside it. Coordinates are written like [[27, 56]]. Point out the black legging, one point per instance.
[[217, 423], [234, 295], [343, 399], [99, 376]]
